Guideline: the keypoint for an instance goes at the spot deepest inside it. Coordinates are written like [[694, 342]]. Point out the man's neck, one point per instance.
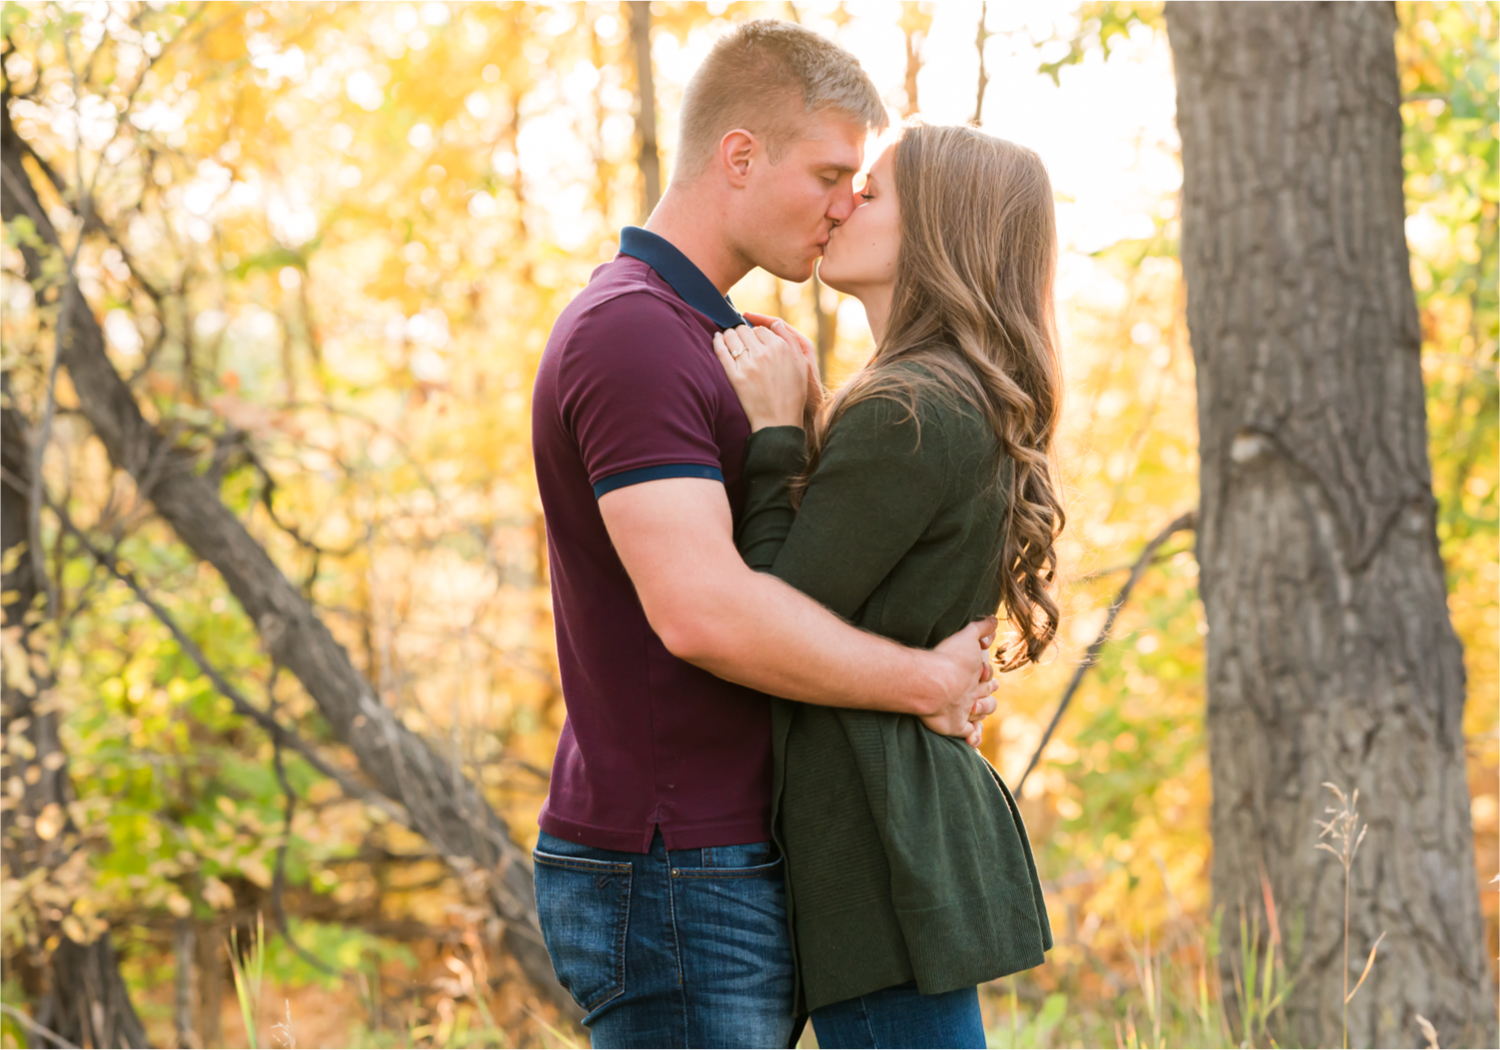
[[692, 227]]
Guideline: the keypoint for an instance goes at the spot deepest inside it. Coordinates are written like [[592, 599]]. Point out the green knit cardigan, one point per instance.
[[906, 855]]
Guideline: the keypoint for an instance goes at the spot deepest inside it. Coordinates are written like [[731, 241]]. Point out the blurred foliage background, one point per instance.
[[331, 240]]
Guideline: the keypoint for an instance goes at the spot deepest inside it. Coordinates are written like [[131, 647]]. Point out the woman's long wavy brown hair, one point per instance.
[[973, 305]]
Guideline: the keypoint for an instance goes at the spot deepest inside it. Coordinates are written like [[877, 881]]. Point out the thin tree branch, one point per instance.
[[34, 1026], [242, 705], [1091, 655], [1099, 574], [980, 38], [278, 880], [61, 335]]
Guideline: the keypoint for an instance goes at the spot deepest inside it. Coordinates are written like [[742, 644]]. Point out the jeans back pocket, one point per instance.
[[584, 908]]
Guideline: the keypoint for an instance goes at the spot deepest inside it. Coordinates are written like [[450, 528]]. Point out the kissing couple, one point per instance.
[[774, 607]]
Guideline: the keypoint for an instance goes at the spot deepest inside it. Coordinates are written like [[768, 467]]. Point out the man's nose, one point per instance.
[[842, 205]]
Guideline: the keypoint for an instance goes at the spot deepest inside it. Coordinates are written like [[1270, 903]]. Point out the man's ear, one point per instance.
[[738, 150]]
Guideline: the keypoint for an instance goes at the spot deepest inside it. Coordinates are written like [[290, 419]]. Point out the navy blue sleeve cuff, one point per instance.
[[666, 470]]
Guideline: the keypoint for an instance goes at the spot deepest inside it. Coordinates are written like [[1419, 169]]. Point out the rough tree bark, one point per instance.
[[77, 987], [443, 804], [649, 158], [1330, 653]]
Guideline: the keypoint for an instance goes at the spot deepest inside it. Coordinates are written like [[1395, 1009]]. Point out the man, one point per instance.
[[658, 888]]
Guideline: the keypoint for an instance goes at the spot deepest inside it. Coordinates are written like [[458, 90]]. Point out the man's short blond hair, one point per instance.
[[769, 77]]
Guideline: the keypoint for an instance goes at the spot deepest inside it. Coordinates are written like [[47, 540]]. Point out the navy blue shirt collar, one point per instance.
[[678, 271]]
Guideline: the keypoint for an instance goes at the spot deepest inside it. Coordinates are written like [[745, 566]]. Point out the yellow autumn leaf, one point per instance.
[[11, 558], [49, 822], [254, 869], [74, 930], [179, 905], [217, 894]]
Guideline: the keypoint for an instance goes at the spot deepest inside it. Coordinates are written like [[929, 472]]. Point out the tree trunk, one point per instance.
[[443, 804], [1330, 653], [980, 39], [915, 23], [209, 968], [649, 159], [185, 982], [80, 994]]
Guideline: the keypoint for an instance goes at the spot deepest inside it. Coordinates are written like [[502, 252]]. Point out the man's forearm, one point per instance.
[[675, 537], [818, 658]]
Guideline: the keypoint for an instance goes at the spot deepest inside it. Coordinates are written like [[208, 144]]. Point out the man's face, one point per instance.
[[789, 207]]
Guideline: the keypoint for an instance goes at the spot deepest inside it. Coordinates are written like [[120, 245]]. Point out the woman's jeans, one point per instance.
[[902, 1017], [687, 948]]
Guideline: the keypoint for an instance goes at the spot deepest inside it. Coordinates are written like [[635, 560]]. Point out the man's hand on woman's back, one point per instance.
[[970, 691]]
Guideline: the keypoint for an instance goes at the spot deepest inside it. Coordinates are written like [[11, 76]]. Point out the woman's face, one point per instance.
[[861, 253]]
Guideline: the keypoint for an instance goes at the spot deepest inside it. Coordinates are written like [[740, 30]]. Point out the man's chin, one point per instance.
[[797, 273]]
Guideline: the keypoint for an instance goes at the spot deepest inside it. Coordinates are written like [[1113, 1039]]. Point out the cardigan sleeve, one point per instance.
[[876, 488], [773, 457]]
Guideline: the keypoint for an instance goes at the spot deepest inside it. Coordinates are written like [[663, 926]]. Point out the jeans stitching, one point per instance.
[[759, 871], [623, 922], [622, 915], [622, 919], [676, 943], [601, 867]]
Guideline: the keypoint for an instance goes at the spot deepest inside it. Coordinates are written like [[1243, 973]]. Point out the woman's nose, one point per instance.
[[842, 205]]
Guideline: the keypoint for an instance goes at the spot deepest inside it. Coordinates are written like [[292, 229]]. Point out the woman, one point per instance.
[[920, 499]]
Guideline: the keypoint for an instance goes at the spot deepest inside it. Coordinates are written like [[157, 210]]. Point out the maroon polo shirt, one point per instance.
[[628, 391]]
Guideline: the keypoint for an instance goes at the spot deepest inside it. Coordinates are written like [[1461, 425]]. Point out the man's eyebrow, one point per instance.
[[842, 169]]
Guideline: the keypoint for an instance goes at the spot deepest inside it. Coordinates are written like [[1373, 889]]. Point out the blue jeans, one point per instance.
[[679, 949], [902, 1017]]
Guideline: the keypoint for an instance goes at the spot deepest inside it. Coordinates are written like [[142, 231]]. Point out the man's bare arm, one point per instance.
[[675, 537]]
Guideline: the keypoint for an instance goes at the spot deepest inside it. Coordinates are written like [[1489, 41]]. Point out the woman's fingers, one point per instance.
[[755, 339], [766, 372], [721, 351], [734, 341], [763, 339], [794, 338], [803, 344]]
